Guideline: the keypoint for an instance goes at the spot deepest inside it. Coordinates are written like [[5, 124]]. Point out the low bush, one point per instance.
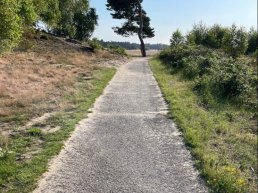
[[34, 132], [115, 49], [174, 56], [95, 45], [217, 76], [235, 41], [232, 80]]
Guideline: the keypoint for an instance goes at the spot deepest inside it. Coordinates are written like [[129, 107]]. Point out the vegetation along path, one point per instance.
[[128, 143]]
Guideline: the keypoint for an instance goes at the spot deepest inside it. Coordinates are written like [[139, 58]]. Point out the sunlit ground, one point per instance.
[[137, 53]]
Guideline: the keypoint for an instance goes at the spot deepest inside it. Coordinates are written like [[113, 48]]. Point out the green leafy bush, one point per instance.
[[229, 79], [10, 25], [235, 41], [198, 34], [214, 36], [35, 132], [27, 12], [192, 66], [174, 56], [94, 44], [115, 49], [216, 75], [252, 41]]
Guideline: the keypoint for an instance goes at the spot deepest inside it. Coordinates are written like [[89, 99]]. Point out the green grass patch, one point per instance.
[[35, 131], [19, 174], [222, 139]]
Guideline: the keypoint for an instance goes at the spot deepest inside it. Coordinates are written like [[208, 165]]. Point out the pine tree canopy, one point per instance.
[[129, 10]]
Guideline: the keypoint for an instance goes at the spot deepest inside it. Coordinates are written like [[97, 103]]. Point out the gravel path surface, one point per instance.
[[127, 144]]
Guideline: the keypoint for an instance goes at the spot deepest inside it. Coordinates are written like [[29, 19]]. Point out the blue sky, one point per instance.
[[168, 15]]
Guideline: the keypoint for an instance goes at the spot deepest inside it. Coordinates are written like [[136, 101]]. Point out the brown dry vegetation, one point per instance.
[[33, 81]]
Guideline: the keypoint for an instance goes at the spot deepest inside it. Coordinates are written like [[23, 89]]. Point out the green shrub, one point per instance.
[[216, 76], [174, 56], [233, 79], [204, 87], [198, 34], [95, 45], [192, 67], [252, 41], [10, 25], [235, 41], [214, 37], [27, 12], [115, 49], [35, 132]]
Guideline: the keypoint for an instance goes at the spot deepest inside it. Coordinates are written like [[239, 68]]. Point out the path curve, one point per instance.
[[128, 144]]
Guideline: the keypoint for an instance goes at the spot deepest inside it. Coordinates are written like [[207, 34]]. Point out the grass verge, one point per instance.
[[221, 139], [25, 158]]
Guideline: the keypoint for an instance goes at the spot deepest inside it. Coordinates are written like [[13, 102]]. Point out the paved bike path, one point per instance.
[[128, 144]]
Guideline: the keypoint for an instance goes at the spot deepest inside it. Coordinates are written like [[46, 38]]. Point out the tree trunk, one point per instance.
[[141, 30], [143, 51]]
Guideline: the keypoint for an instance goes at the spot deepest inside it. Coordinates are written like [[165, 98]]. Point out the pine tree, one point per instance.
[[177, 38], [137, 22]]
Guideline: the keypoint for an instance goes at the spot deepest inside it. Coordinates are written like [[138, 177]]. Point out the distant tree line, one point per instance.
[[68, 18], [233, 40], [133, 46]]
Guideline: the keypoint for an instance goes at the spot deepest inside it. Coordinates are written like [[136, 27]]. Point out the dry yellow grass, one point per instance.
[[26, 78], [32, 82], [46, 87]]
